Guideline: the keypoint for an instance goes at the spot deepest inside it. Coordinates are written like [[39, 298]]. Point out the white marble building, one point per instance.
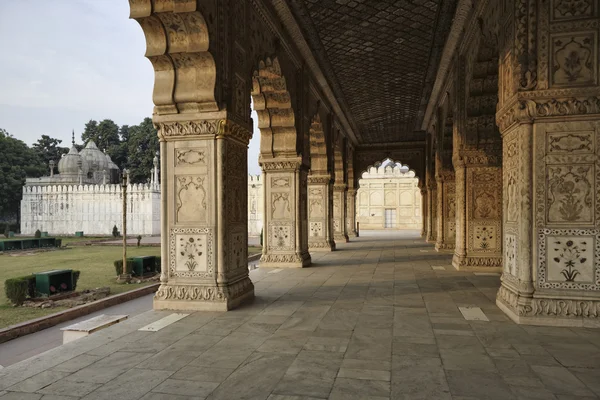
[[389, 198], [255, 205], [86, 195]]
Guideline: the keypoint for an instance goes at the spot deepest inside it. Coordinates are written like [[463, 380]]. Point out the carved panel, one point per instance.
[[191, 252], [485, 238], [185, 157], [571, 9], [278, 182], [570, 193], [280, 206], [191, 199], [485, 189], [569, 259], [316, 209], [574, 59], [282, 236], [510, 254], [316, 229]]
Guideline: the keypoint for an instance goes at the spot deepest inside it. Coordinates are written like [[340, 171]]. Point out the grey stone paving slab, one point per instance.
[[70, 388], [77, 363], [478, 384], [109, 368], [38, 381], [561, 381], [186, 388], [130, 386], [358, 389], [21, 396]]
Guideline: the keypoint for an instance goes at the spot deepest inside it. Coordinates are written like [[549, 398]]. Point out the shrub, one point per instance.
[[157, 264], [38, 234], [75, 278], [119, 266], [18, 289], [115, 231], [139, 239]]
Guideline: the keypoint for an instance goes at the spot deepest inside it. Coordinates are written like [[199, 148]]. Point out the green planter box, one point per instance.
[[79, 234], [143, 265], [11, 234], [30, 244], [47, 242], [8, 245], [55, 281], [44, 234]]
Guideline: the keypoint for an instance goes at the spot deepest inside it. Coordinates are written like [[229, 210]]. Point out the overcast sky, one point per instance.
[[65, 62]]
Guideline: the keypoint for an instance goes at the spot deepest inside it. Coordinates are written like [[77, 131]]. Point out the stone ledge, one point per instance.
[[38, 324]]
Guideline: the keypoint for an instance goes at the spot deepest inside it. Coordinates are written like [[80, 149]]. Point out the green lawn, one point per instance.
[[94, 262]]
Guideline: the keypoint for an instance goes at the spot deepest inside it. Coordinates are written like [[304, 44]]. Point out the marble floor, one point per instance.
[[378, 319]]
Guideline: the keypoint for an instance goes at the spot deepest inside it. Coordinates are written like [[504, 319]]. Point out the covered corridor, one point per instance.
[[377, 319]]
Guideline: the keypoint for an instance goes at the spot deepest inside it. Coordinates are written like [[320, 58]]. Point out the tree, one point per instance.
[[142, 147], [17, 162], [105, 134], [48, 149]]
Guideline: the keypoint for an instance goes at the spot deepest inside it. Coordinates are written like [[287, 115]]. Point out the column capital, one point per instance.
[[176, 129], [281, 164], [445, 176], [480, 157], [339, 187], [319, 179]]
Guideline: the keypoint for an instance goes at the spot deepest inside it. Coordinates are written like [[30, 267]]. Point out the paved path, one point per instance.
[[31, 345], [373, 320], [147, 240]]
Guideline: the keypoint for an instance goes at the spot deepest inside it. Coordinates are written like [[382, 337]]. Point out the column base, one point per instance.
[[285, 260], [323, 245], [352, 234], [341, 238], [441, 246], [477, 264], [203, 297], [550, 309]]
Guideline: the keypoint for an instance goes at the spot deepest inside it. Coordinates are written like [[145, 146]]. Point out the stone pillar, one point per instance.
[[431, 236], [351, 213], [320, 216], [551, 162], [424, 210], [446, 211], [203, 213], [478, 211], [339, 213], [285, 238]]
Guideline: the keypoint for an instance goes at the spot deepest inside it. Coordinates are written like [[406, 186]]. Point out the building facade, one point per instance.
[[255, 205], [389, 197], [86, 195]]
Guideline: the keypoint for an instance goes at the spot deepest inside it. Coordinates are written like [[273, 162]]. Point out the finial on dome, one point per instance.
[[73, 138]]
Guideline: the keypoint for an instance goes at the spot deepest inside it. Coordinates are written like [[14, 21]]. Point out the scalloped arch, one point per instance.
[[177, 45]]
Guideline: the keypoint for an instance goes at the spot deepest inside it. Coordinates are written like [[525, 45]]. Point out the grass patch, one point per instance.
[[94, 262], [254, 250]]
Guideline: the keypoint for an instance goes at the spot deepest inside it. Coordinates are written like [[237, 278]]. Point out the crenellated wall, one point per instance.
[[256, 205], [93, 209]]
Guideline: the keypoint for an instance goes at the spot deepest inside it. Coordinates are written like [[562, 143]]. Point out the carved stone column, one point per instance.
[[204, 214], [339, 213], [424, 209], [446, 211], [478, 211], [551, 161], [285, 242], [351, 213], [431, 236], [320, 216]]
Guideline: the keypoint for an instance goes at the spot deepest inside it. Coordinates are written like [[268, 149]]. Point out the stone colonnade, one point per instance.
[[211, 59], [518, 88]]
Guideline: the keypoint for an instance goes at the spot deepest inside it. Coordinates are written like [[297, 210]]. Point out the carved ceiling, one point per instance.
[[380, 58]]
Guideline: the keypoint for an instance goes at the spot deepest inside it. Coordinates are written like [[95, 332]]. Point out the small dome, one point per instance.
[[71, 162], [96, 159], [111, 164]]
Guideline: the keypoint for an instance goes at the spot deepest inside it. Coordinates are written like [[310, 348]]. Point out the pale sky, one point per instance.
[[65, 62]]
